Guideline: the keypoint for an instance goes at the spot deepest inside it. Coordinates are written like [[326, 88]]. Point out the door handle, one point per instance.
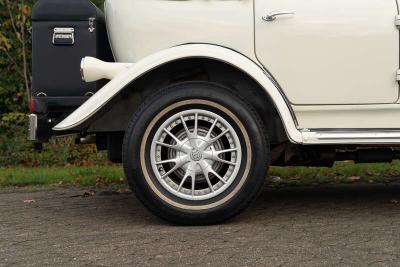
[[273, 15]]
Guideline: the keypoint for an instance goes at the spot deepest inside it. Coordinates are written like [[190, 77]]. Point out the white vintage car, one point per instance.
[[199, 97]]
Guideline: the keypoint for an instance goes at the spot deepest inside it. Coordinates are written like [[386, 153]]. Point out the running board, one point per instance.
[[360, 137]]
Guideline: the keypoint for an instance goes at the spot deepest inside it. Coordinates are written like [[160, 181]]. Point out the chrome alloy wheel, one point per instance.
[[196, 154]]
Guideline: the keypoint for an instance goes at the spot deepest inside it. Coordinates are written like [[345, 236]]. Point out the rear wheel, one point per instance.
[[195, 153]]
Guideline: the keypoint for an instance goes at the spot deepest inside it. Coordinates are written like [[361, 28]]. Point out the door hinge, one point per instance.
[[91, 25], [397, 21], [398, 76]]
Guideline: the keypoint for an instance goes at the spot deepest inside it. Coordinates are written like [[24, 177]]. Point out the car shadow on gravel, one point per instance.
[[323, 200], [324, 225], [317, 201]]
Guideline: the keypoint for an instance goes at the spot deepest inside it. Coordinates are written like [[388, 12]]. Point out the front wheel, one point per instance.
[[196, 153]]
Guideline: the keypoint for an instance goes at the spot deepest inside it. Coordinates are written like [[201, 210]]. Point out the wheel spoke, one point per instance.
[[191, 136], [167, 161], [178, 163], [209, 142], [214, 155], [216, 158], [168, 145], [179, 142], [208, 136], [204, 168], [196, 125], [219, 136], [188, 133], [207, 169], [217, 175], [193, 184], [209, 183], [219, 152], [182, 148], [189, 172], [183, 181]]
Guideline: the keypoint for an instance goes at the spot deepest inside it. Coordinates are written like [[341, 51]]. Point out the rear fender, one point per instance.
[[126, 77]]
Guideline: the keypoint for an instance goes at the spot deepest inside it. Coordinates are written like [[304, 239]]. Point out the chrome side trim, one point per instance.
[[357, 136], [33, 123]]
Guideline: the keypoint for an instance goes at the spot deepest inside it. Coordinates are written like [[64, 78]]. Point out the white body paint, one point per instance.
[[331, 52], [93, 69], [335, 61], [105, 94], [139, 28]]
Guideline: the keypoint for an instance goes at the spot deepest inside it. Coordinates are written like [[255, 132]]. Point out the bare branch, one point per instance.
[[12, 20], [25, 65], [21, 39]]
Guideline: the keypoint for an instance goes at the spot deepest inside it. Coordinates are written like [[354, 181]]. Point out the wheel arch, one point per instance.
[[192, 62]]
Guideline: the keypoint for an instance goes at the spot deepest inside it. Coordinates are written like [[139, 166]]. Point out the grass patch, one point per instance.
[[342, 172], [84, 176]]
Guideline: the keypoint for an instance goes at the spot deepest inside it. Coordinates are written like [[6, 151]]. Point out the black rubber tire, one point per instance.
[[138, 136]]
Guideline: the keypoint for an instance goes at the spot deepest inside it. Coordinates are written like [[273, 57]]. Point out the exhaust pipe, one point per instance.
[[93, 69]]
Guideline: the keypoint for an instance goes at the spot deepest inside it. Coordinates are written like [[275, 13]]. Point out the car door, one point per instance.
[[330, 51]]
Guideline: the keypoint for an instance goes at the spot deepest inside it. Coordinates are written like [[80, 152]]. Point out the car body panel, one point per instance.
[[331, 52], [138, 28], [151, 33], [108, 92], [385, 116]]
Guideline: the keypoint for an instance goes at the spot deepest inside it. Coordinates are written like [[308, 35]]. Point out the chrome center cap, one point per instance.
[[196, 154]]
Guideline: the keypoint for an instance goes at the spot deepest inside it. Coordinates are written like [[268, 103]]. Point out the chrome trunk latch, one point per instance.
[[64, 36], [91, 25]]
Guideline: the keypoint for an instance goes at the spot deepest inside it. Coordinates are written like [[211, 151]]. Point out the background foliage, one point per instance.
[[15, 85], [15, 56]]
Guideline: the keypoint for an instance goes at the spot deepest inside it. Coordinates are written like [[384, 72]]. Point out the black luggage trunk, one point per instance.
[[65, 31]]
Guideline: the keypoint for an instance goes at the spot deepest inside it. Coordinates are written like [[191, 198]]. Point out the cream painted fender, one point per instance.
[[123, 79]]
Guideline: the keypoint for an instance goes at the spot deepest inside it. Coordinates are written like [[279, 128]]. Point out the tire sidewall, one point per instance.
[[232, 107]]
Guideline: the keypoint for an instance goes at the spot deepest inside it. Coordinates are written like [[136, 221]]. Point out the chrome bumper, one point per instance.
[[33, 125]]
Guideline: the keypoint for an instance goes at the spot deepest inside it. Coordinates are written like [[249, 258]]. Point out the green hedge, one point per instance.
[[15, 43], [16, 150]]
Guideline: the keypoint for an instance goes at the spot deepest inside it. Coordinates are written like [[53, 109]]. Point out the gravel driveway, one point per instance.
[[351, 225]]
